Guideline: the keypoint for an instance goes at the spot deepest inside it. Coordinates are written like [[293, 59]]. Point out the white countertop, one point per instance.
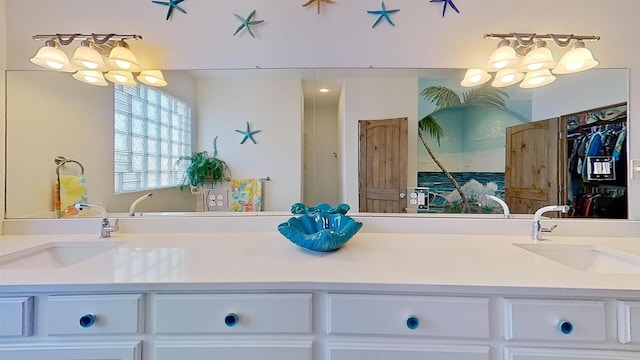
[[267, 258]]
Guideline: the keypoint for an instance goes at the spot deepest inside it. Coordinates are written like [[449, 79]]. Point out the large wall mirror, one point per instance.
[[307, 144]]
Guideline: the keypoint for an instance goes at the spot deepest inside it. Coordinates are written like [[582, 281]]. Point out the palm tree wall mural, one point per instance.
[[430, 125]]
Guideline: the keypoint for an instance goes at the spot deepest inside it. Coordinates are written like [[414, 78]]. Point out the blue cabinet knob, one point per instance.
[[231, 319], [87, 321], [413, 322], [565, 327]]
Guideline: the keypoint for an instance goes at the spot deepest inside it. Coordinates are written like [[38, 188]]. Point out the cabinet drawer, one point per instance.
[[254, 350], [409, 315], [517, 353], [74, 350], [382, 351], [561, 320], [16, 316], [232, 313], [94, 314]]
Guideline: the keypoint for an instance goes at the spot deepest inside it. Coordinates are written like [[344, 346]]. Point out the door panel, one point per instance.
[[534, 175], [383, 165]]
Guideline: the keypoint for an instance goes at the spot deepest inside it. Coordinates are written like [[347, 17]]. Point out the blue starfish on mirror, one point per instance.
[[172, 4], [447, 3], [383, 14], [248, 134], [246, 23]]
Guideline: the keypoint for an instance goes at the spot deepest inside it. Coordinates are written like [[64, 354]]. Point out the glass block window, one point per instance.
[[152, 130]]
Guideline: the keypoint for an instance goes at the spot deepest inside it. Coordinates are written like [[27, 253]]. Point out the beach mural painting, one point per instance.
[[465, 131]]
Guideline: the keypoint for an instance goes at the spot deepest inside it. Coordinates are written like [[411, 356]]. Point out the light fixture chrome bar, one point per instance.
[[66, 39], [528, 39]]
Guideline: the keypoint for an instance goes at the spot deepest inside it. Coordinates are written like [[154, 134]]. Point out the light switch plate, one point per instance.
[[635, 169]]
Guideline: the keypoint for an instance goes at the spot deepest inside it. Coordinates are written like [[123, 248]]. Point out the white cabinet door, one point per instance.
[[16, 316], [390, 351], [234, 350], [73, 351]]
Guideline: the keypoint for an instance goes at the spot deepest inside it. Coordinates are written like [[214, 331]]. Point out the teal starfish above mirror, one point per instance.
[[246, 23], [172, 4], [383, 14], [248, 134]]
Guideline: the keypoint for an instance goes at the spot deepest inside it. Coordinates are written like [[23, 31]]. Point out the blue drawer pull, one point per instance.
[[231, 320], [565, 327], [413, 322], [87, 321]]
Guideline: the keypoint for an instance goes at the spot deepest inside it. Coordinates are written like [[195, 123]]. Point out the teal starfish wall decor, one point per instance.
[[246, 23], [248, 134], [383, 14], [172, 4]]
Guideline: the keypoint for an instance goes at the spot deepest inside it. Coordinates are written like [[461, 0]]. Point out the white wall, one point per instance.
[[39, 107], [341, 35], [321, 156], [584, 91], [271, 105], [375, 99]]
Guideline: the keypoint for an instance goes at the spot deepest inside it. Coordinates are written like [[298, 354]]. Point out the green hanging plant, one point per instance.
[[205, 169]]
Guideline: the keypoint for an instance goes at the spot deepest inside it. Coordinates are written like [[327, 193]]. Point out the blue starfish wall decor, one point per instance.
[[447, 3], [248, 134], [318, 3], [246, 23], [172, 4], [384, 14]]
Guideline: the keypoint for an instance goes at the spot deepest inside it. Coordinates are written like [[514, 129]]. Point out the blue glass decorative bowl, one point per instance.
[[320, 231]]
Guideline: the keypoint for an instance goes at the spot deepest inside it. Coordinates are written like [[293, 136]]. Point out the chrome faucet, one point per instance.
[[132, 208], [105, 227], [537, 227], [505, 207]]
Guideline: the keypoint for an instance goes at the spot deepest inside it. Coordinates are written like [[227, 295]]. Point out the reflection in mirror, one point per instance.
[[307, 144]]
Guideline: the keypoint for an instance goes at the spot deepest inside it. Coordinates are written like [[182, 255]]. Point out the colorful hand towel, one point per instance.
[[70, 189], [246, 195]]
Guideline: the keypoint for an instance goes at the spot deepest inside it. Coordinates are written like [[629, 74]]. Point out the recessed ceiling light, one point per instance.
[[324, 90]]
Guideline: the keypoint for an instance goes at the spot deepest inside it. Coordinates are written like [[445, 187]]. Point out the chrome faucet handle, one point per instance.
[[548, 230], [107, 228]]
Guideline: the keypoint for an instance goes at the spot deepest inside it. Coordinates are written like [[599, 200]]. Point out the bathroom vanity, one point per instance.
[[255, 295]]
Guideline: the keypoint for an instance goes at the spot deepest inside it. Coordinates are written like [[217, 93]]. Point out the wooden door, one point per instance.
[[535, 163], [383, 165]]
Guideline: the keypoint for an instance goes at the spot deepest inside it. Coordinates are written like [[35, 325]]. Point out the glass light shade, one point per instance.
[[507, 77], [85, 57], [91, 77], [121, 58], [152, 78], [475, 77], [52, 58], [120, 77], [575, 60], [503, 57], [537, 78], [538, 58]]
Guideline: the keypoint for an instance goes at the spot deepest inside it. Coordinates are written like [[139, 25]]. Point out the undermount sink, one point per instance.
[[588, 258], [56, 254]]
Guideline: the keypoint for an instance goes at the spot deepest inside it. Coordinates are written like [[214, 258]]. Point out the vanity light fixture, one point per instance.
[[503, 57], [526, 58], [475, 77], [152, 78], [506, 77], [51, 57], [99, 57]]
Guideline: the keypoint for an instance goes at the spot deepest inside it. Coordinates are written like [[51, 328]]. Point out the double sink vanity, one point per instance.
[[402, 288]]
